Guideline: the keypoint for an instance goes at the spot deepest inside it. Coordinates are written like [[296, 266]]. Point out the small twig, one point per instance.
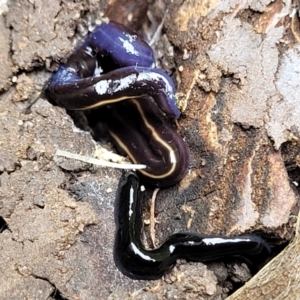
[[152, 218], [157, 33], [98, 162]]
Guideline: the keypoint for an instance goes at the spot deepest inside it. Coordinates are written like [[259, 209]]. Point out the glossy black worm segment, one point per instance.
[[156, 142], [136, 262], [114, 65], [73, 92]]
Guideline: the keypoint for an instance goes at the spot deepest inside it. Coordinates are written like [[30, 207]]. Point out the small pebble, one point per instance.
[[180, 68]]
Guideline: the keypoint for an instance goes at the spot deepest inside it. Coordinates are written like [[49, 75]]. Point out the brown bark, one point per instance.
[[236, 66]]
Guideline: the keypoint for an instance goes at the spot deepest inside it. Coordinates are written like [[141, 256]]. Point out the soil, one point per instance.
[[236, 66]]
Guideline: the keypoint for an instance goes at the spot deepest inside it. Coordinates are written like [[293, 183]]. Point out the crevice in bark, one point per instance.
[[3, 225], [56, 294]]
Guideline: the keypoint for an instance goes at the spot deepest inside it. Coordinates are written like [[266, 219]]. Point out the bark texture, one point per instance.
[[236, 65]]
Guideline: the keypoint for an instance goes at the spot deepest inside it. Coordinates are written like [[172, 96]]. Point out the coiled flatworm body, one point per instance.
[[115, 68]]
